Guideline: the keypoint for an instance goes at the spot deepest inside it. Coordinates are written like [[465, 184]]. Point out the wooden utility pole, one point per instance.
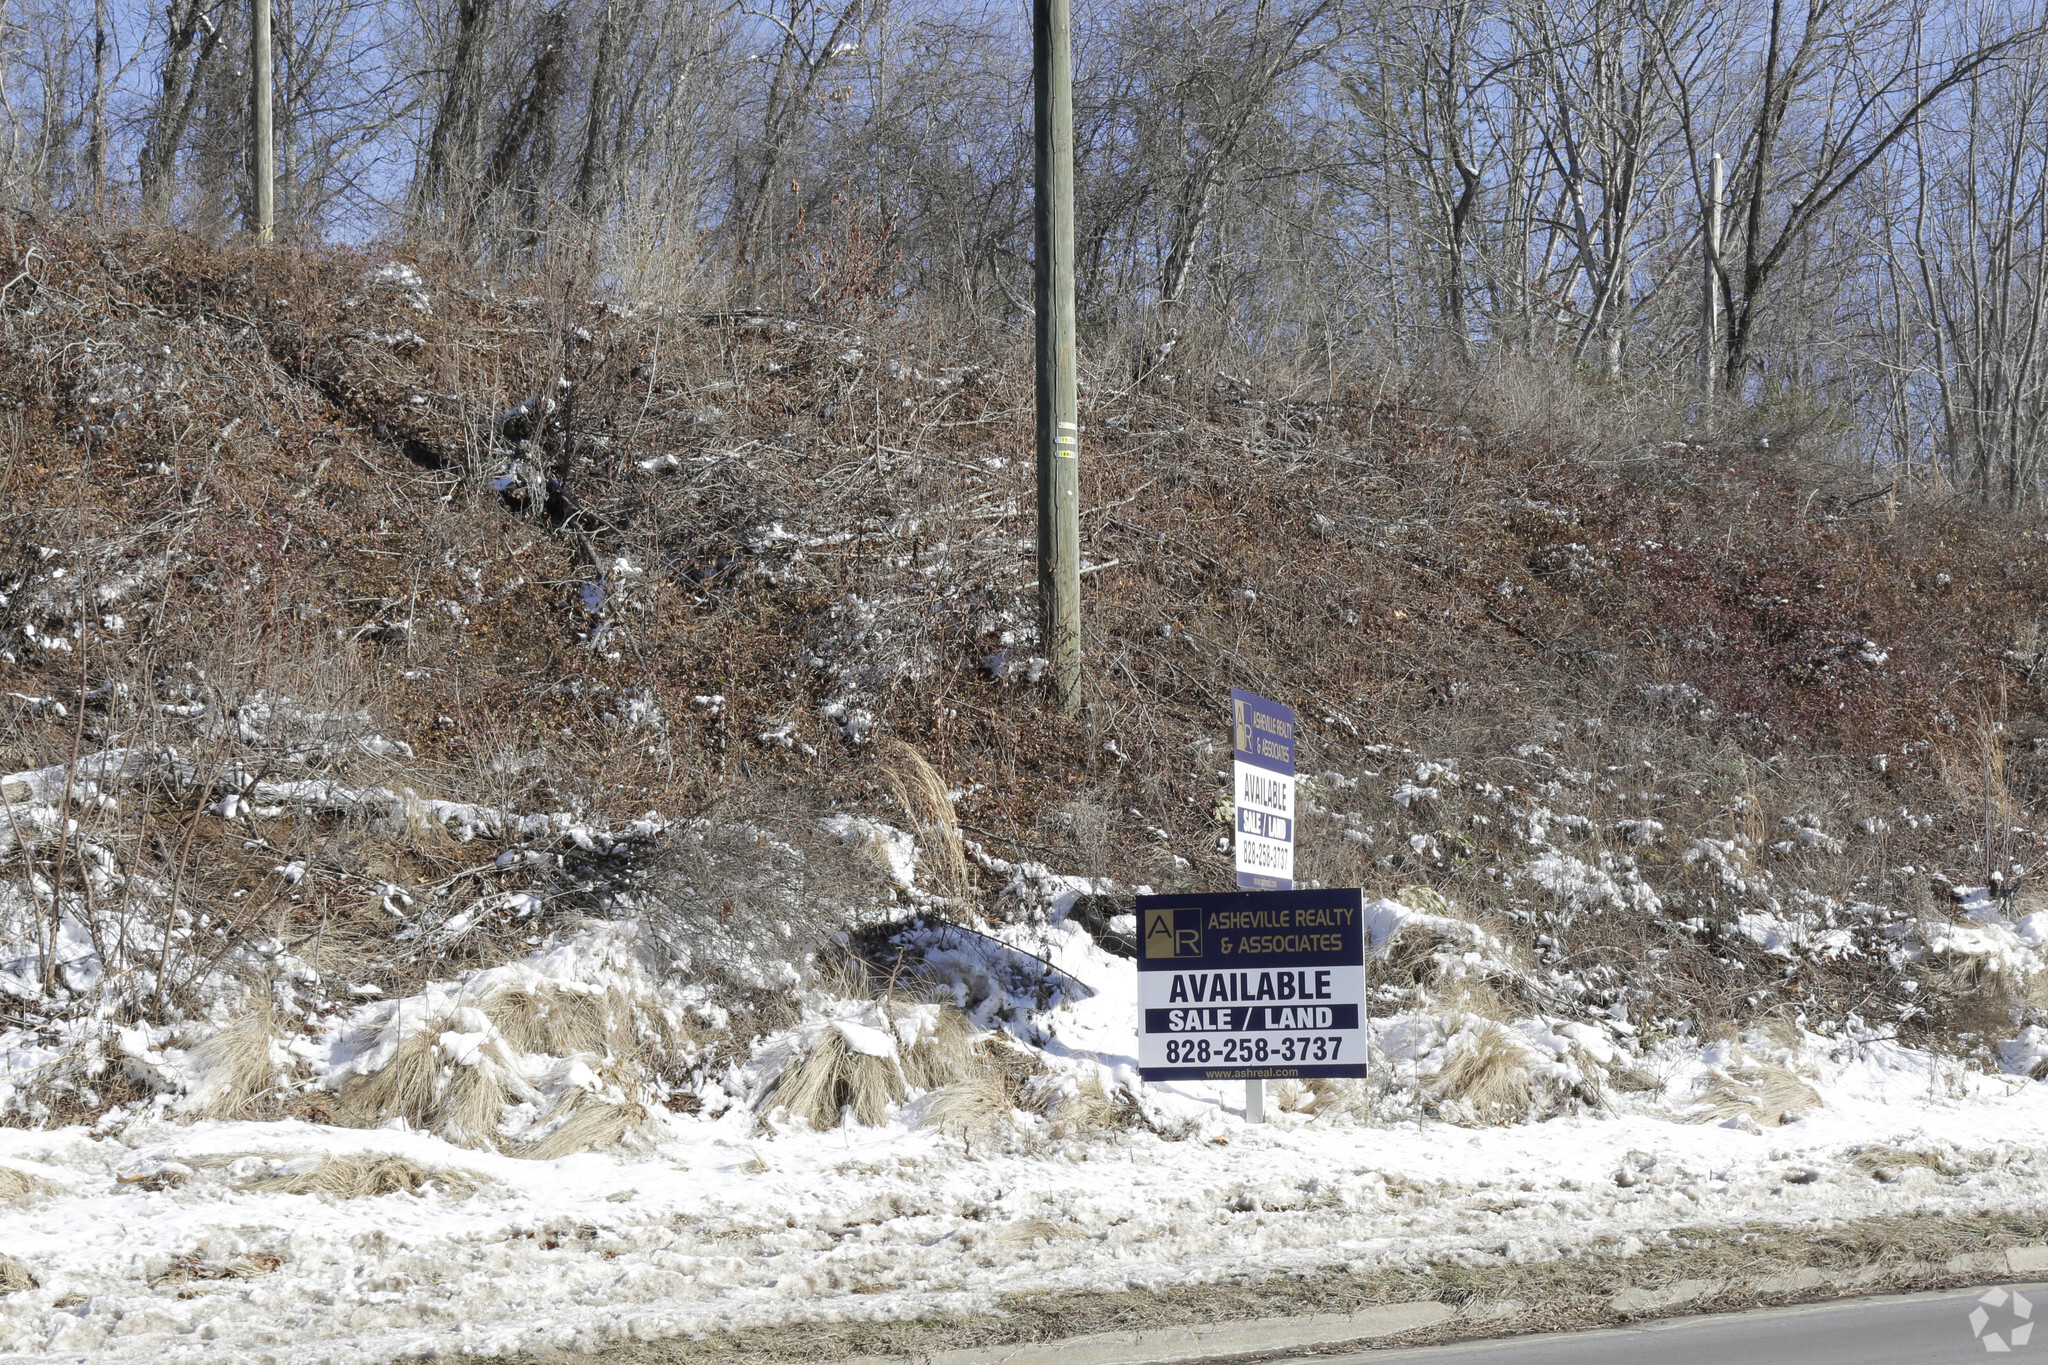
[[1059, 433], [264, 152], [1710, 298]]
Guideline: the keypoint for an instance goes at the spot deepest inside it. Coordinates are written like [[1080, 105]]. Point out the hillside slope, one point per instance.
[[552, 725]]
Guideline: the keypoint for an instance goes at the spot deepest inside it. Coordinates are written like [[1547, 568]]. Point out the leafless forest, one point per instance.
[[1319, 187]]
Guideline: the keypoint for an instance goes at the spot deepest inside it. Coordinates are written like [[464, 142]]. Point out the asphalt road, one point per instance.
[[1908, 1329]]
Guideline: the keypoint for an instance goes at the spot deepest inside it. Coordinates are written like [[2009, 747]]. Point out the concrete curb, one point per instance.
[[1211, 1341], [1165, 1344]]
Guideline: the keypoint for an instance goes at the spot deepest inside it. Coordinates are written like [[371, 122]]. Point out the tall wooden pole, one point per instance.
[[1710, 299], [1059, 435], [264, 152]]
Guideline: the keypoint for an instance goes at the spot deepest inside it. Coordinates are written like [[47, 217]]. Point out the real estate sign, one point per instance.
[[1262, 783], [1251, 985]]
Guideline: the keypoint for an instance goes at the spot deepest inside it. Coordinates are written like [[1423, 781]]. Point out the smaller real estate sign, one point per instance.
[[1251, 985], [1262, 786]]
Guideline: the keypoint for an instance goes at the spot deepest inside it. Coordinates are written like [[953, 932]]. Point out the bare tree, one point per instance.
[[1838, 89], [191, 38]]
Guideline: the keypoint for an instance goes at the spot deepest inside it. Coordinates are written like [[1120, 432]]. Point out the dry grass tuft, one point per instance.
[[15, 1276], [1485, 1080], [591, 1125], [456, 1069], [18, 1185], [978, 1104], [1089, 1108], [944, 1054], [828, 1079], [1029, 1231], [567, 1023], [1632, 1080], [832, 1080], [1762, 1092], [1339, 1099], [238, 1065], [365, 1176], [461, 1098], [1886, 1164], [922, 793]]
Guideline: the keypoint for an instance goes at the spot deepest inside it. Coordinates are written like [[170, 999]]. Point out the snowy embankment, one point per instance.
[[168, 1240]]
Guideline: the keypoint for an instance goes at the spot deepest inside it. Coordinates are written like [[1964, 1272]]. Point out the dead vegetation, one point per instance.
[[241, 1065], [364, 1176], [15, 1275], [849, 1069], [1886, 1164], [16, 1185], [1486, 1080], [775, 585], [462, 1098], [1761, 1093], [198, 1265]]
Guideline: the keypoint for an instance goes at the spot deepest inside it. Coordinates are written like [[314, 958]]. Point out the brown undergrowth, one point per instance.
[[541, 549]]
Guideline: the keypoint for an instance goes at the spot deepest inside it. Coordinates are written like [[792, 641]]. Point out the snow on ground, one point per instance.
[[721, 1223]]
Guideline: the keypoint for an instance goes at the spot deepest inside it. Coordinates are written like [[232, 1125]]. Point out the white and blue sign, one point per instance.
[[1262, 783], [1251, 985]]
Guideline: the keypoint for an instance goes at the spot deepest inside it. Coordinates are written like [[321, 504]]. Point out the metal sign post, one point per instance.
[[1262, 786]]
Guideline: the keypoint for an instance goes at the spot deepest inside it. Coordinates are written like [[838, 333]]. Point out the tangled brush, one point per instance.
[[1422, 945]]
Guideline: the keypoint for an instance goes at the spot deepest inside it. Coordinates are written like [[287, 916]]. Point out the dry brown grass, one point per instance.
[[1762, 1092], [922, 794], [16, 1186], [238, 1065], [1886, 1164], [1089, 1109], [1485, 1080], [463, 1100], [366, 1176], [830, 1079], [972, 1106], [613, 1028], [15, 1275], [582, 1123], [969, 1078]]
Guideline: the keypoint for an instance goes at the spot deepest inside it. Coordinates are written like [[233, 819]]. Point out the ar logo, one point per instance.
[[1241, 728], [1165, 938], [2017, 1307]]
